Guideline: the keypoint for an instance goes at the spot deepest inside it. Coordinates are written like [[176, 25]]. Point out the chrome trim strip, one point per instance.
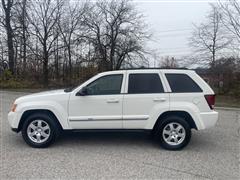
[[126, 119], [135, 119], [91, 119]]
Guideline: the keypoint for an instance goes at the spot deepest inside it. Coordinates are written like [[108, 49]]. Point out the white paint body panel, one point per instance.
[[55, 101], [96, 111], [128, 111], [91, 111], [138, 109]]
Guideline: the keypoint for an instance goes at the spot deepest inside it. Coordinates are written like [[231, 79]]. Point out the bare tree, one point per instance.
[[169, 62], [231, 20], [231, 16], [43, 19], [23, 22], [58, 40], [117, 32], [70, 27], [21, 35], [209, 38], [7, 7]]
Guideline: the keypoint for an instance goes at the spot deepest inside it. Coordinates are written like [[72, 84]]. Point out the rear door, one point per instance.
[[144, 90]]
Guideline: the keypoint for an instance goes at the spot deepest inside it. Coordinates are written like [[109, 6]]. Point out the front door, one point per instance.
[[100, 107]]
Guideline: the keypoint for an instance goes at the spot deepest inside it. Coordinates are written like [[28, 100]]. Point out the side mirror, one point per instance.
[[82, 92]]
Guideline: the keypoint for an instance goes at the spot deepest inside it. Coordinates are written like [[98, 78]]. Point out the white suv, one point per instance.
[[168, 102]]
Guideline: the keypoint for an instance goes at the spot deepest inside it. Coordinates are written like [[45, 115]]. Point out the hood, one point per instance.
[[42, 95]]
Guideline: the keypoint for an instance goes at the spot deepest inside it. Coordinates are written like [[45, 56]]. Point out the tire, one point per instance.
[[40, 130], [173, 133]]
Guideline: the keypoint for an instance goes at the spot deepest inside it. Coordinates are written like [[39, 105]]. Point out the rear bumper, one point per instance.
[[209, 119]]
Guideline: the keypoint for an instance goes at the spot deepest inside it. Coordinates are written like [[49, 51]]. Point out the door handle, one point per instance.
[[159, 99], [112, 101]]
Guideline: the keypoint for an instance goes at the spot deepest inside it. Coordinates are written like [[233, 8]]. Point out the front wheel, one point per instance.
[[174, 133], [39, 130]]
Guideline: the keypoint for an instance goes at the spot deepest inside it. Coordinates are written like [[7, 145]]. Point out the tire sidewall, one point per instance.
[[51, 124], [182, 122]]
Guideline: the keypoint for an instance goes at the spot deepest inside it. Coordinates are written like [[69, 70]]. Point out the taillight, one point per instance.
[[210, 100]]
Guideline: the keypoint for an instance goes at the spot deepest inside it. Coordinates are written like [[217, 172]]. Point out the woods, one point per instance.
[[215, 45], [56, 41]]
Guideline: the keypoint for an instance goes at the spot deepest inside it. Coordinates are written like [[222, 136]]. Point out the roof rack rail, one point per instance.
[[152, 68]]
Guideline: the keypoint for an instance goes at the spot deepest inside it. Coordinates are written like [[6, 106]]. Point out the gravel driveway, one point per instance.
[[211, 154]]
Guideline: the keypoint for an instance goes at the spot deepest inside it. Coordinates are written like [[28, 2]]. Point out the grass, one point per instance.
[[227, 101]]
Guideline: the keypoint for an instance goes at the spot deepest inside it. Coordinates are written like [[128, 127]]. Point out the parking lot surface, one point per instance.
[[211, 154]]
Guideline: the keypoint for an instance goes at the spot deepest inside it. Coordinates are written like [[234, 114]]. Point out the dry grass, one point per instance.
[[227, 101]]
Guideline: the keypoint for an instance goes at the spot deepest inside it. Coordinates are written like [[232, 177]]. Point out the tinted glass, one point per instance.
[[182, 83], [144, 83], [110, 84]]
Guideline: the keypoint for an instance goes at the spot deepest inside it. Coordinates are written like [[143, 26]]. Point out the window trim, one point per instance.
[[144, 73], [122, 75], [165, 74]]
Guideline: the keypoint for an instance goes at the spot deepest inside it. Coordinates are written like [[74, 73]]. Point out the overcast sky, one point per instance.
[[171, 23]]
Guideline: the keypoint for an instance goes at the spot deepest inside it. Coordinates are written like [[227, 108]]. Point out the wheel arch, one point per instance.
[[27, 113], [182, 114]]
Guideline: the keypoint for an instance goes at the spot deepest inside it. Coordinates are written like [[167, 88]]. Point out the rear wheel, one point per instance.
[[173, 133], [40, 130]]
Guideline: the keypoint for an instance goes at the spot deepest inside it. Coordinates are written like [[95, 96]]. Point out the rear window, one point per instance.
[[144, 83], [182, 83]]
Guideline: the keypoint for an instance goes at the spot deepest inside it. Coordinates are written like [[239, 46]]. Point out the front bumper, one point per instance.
[[13, 120], [15, 130], [209, 119]]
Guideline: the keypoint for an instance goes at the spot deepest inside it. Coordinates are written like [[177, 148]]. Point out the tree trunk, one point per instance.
[[213, 58], [7, 9], [24, 36], [56, 60], [45, 66], [45, 73], [70, 64], [10, 49]]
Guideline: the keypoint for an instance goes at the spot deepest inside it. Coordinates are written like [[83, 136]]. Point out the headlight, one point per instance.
[[13, 108]]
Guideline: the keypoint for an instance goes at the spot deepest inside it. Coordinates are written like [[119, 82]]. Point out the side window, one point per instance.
[[182, 83], [106, 85], [144, 83]]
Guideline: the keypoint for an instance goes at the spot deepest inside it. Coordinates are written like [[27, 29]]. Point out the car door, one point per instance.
[[145, 94], [101, 106]]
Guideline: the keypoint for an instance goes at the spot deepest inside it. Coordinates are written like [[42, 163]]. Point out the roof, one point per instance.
[[153, 68], [147, 70]]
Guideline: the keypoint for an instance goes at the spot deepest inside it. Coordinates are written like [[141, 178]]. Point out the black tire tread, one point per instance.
[[159, 128], [55, 130]]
